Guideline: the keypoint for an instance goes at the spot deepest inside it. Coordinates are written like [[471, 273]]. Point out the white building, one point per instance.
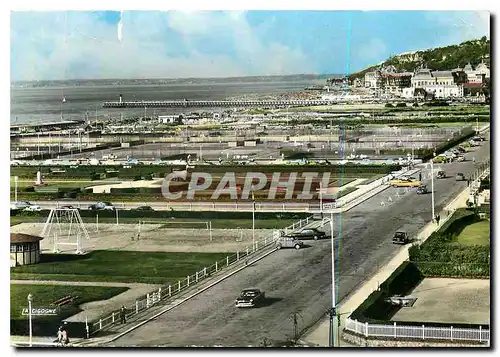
[[477, 75], [372, 79], [442, 84], [168, 119]]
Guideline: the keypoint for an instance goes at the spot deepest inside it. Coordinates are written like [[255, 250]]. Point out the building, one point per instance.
[[478, 75], [24, 249], [373, 79], [169, 119], [394, 83], [439, 84]]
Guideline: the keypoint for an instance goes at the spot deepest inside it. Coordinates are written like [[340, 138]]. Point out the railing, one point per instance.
[[153, 298], [362, 191], [418, 332], [190, 206]]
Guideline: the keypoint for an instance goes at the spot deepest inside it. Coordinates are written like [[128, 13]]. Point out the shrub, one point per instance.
[[401, 105], [389, 105]]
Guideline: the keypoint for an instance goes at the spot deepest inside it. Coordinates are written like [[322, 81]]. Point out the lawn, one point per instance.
[[44, 295], [119, 266], [475, 234]]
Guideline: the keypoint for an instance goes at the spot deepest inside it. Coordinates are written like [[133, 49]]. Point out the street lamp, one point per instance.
[[333, 310], [432, 185], [16, 178], [30, 299]]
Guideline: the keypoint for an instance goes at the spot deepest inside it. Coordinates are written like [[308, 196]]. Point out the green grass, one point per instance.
[[475, 234], [107, 265], [44, 295]]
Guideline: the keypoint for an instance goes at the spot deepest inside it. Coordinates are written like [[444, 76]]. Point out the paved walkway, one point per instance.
[[319, 334]]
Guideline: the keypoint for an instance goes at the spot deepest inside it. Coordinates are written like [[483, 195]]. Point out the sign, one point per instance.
[[40, 311]]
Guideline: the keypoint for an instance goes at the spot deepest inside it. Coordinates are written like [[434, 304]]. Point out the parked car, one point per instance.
[[422, 189], [33, 208], [441, 174], [67, 207], [144, 208], [308, 233], [20, 205], [104, 206], [461, 149], [400, 237], [250, 298], [460, 177], [461, 158], [289, 242]]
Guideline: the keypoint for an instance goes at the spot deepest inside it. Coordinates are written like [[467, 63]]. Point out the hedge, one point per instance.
[[440, 256]]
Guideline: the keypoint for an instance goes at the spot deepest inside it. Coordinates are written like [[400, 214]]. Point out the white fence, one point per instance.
[[418, 332], [367, 188], [198, 206], [154, 297]]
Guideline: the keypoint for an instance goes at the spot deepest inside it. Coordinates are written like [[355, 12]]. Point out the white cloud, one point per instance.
[[153, 44], [460, 26]]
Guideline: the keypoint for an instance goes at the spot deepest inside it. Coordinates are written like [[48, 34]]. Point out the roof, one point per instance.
[[442, 74], [24, 238], [473, 85]]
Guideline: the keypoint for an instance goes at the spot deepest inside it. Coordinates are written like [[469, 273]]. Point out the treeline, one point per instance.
[[441, 58]]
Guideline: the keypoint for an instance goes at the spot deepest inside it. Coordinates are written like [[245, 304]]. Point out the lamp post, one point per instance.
[[30, 299], [253, 221], [432, 185], [333, 310], [16, 178], [321, 198]]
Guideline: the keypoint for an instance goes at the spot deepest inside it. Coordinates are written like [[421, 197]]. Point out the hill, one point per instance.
[[441, 58]]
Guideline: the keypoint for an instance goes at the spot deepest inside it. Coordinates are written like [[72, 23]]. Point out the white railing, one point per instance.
[[360, 192], [198, 206], [153, 298], [418, 332]]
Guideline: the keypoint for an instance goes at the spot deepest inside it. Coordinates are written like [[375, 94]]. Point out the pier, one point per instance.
[[216, 103]]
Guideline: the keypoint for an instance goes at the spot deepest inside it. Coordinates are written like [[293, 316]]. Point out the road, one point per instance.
[[300, 281]]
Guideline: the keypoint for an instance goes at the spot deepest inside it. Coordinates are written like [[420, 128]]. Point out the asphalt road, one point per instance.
[[300, 281]]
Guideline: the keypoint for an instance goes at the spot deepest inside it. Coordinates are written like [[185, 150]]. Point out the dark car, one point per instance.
[[422, 189], [250, 298], [107, 206], [441, 174], [67, 207], [308, 233], [400, 238], [144, 208]]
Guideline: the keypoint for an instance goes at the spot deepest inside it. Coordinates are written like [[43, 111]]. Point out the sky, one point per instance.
[[178, 44]]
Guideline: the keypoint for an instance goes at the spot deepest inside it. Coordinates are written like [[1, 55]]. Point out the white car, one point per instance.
[[33, 208]]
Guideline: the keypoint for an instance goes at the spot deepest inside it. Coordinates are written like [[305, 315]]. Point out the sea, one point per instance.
[[43, 104]]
